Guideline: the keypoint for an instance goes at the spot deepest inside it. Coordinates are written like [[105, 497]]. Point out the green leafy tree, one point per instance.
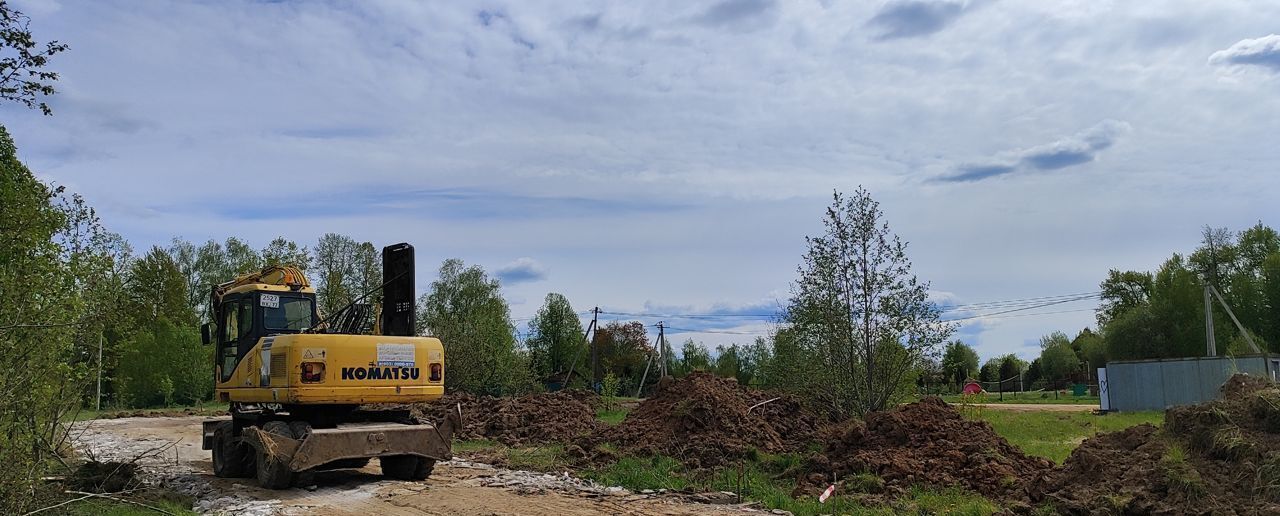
[[1058, 361], [728, 364], [335, 264], [1091, 349], [465, 309], [282, 251], [990, 371], [959, 362], [856, 304], [556, 338], [1034, 374], [23, 77], [624, 350], [49, 274], [788, 365], [165, 364], [1270, 325], [1123, 291], [757, 359], [158, 290], [694, 356], [1011, 367]]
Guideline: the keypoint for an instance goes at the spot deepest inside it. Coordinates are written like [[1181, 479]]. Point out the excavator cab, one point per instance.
[[244, 318], [245, 311]]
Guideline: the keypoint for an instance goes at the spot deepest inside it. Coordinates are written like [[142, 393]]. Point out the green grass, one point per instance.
[[1030, 398], [1054, 435], [475, 445], [102, 507], [612, 417], [767, 480], [534, 458]]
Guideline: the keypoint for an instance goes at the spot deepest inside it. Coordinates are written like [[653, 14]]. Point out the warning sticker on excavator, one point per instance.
[[313, 354], [396, 355]]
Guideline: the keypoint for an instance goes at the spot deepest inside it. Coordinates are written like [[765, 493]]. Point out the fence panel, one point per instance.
[[1160, 384]]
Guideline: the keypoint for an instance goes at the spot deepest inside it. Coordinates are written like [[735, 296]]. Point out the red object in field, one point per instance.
[[827, 494], [972, 388]]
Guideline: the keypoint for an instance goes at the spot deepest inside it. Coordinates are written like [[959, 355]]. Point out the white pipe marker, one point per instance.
[[827, 494]]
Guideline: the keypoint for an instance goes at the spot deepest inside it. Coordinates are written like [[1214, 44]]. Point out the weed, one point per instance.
[[1047, 509], [1229, 444], [1179, 475], [611, 416], [1118, 503], [537, 458], [864, 483], [1269, 477], [1265, 407]]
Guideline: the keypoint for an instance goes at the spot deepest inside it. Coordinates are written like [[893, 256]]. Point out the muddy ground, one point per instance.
[[174, 459]]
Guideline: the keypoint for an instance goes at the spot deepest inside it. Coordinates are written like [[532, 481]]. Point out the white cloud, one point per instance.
[[1077, 149], [1264, 52]]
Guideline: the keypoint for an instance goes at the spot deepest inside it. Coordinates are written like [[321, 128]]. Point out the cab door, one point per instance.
[[236, 335]]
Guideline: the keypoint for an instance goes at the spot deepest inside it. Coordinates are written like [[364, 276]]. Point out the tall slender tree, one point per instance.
[[862, 311]]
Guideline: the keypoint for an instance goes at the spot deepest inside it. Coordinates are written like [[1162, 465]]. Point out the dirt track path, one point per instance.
[[455, 488]]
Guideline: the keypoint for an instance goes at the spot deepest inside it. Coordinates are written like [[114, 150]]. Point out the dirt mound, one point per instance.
[[1242, 385], [923, 443], [1217, 457], [557, 417], [794, 423], [701, 420]]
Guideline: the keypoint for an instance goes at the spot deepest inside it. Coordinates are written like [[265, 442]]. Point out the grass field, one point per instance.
[[1054, 435], [1029, 398]]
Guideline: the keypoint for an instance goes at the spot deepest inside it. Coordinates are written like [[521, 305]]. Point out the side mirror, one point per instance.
[[206, 330]]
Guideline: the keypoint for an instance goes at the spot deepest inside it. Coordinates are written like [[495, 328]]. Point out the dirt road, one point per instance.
[[1036, 407], [174, 459]]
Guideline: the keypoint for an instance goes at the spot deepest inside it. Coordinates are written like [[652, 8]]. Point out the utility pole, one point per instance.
[[663, 352], [1211, 348], [656, 356], [595, 313], [595, 351]]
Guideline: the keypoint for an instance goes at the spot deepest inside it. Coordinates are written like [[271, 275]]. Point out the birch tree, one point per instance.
[[864, 316]]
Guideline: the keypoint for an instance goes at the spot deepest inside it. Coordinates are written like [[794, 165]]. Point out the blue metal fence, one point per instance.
[[1160, 384]]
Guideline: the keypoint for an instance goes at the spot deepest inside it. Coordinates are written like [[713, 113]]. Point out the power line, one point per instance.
[[1022, 303], [1041, 305]]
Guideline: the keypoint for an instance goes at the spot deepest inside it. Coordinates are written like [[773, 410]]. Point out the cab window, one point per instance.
[[289, 314]]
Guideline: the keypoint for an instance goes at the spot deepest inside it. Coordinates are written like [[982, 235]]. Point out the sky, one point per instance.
[[670, 157]]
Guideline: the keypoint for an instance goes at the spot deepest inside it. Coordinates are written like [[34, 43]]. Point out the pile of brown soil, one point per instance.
[[707, 421], [788, 416], [1217, 457], [557, 417], [924, 443]]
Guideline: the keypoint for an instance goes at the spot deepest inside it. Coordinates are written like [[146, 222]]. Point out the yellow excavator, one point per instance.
[[299, 386]]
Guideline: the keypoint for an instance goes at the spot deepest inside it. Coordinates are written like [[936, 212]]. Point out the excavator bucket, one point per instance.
[[353, 441]]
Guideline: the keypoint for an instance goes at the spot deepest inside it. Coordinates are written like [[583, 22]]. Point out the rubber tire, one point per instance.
[[273, 472], [407, 467], [231, 457]]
